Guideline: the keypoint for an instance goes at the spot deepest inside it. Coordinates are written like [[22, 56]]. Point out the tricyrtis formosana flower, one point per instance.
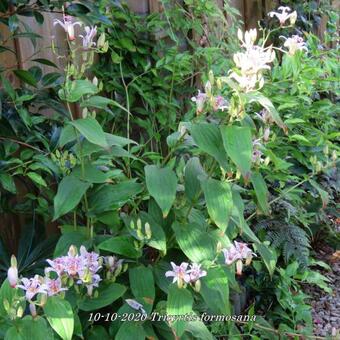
[[68, 25], [295, 43], [284, 13]]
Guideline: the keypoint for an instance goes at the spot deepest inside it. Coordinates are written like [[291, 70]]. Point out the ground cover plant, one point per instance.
[[189, 175]]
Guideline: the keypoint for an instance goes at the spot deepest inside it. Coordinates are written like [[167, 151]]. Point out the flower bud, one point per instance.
[[43, 299], [334, 155], [12, 273], [132, 224], [72, 251], [219, 247], [266, 134], [139, 224], [219, 83], [33, 310], [292, 18], [147, 230], [89, 290], [211, 77], [207, 88], [84, 112], [20, 312], [326, 150], [6, 305], [239, 266], [95, 81], [197, 286], [101, 40]]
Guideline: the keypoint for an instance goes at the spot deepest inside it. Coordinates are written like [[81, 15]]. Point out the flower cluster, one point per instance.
[[252, 62], [68, 24], [284, 13], [182, 275], [80, 270], [236, 253]]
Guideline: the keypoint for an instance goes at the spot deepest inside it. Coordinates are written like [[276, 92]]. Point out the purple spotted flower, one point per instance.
[[33, 286], [53, 286], [179, 273], [196, 272]]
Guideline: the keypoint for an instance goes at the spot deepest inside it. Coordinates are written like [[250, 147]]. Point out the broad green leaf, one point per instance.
[[7, 182], [122, 245], [8, 87], [269, 257], [67, 135], [98, 102], [179, 303], [238, 145], [198, 330], [45, 62], [162, 185], [60, 316], [108, 293], [90, 174], [131, 330], [193, 170], [195, 243], [267, 104], [299, 138], [142, 285], [218, 197], [111, 197], [261, 191], [97, 332], [118, 140], [76, 89], [70, 192], [323, 194], [6, 293], [208, 138], [50, 78], [75, 238], [91, 130], [29, 328], [36, 178], [26, 77], [215, 291]]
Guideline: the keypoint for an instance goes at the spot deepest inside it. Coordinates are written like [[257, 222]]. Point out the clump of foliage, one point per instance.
[[173, 200]]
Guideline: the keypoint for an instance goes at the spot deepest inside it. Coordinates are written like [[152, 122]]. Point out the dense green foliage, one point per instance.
[[134, 164]]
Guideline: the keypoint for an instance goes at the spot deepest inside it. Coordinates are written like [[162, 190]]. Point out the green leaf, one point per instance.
[[193, 171], [208, 138], [299, 138], [50, 78], [91, 130], [90, 174], [323, 194], [45, 62], [269, 257], [142, 285], [238, 145], [8, 87], [196, 244], [97, 332], [131, 330], [29, 328], [118, 140], [218, 197], [76, 89], [122, 245], [8, 183], [267, 104], [70, 192], [162, 185], [198, 330], [60, 316], [67, 135], [179, 303], [215, 291], [108, 293], [36, 178], [111, 197], [75, 238], [26, 77], [261, 191], [98, 102]]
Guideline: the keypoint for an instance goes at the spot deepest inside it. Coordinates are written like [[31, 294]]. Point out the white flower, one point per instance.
[[33, 286], [248, 39], [53, 287], [284, 15], [68, 25], [179, 273], [91, 33], [196, 272], [295, 43], [200, 100]]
